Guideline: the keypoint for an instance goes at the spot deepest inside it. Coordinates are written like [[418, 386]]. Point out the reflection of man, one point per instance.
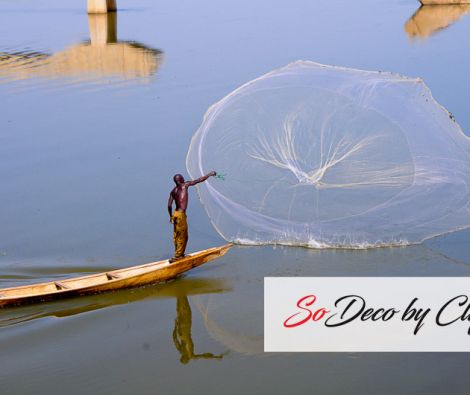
[[179, 195], [182, 333]]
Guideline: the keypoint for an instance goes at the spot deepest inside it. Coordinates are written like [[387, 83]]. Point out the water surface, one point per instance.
[[96, 116]]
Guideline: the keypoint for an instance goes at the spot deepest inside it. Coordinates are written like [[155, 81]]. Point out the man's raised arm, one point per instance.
[[201, 179]]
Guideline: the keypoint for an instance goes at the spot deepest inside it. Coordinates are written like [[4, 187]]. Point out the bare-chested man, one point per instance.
[[179, 195]]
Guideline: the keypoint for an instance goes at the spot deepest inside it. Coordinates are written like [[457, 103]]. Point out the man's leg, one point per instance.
[[175, 234], [180, 237], [184, 236]]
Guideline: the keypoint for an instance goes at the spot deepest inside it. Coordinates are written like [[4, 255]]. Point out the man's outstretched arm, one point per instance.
[[170, 206], [201, 179]]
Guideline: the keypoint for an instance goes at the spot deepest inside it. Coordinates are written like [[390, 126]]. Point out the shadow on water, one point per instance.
[[178, 289], [430, 19], [100, 58]]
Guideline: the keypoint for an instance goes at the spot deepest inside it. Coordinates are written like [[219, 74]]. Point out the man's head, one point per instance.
[[178, 179]]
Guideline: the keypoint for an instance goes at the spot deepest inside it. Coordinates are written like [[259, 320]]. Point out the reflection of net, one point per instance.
[[233, 339], [324, 156]]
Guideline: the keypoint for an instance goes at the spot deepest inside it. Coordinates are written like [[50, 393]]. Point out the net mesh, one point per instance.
[[323, 156]]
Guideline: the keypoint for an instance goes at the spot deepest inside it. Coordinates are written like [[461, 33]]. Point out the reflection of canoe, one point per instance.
[[108, 281], [69, 307]]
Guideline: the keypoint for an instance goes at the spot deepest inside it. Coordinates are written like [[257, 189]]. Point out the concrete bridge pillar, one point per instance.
[[101, 6], [103, 28]]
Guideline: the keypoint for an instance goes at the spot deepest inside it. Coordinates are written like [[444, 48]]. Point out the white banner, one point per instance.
[[362, 314]]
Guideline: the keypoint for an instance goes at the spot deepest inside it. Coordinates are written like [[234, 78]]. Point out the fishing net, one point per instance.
[[323, 156]]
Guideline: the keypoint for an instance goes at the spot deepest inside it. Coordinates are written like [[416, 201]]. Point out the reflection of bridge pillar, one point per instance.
[[101, 6], [430, 19], [103, 28]]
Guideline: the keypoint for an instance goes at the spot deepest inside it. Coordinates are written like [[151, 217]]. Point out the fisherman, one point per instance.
[[179, 194]]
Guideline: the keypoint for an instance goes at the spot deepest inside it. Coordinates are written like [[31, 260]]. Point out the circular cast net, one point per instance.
[[324, 156]]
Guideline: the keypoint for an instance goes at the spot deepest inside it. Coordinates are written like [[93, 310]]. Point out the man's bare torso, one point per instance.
[[180, 195]]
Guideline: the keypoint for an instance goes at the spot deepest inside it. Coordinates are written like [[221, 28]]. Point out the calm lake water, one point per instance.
[[96, 115]]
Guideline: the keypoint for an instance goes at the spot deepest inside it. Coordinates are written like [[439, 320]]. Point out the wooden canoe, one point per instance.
[[134, 276]]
